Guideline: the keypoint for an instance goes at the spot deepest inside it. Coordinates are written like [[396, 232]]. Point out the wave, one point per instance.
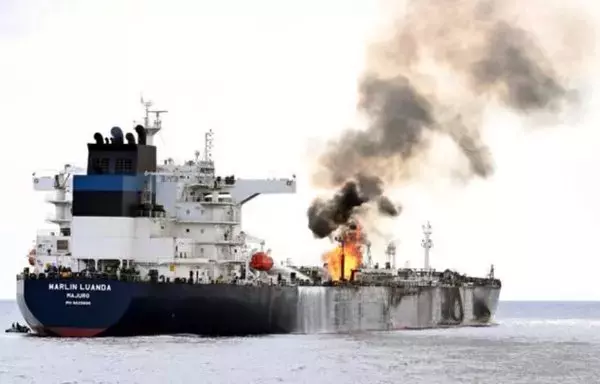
[[556, 322]]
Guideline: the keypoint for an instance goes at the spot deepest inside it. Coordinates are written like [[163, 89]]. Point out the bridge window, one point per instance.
[[123, 166], [100, 165]]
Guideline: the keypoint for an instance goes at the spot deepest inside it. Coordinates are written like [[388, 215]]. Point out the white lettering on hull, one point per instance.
[[78, 294], [78, 287], [80, 303]]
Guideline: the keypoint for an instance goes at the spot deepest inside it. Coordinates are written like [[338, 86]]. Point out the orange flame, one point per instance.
[[349, 250]]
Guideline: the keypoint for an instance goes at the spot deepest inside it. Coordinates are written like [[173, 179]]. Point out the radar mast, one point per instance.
[[427, 244], [151, 130], [208, 145]]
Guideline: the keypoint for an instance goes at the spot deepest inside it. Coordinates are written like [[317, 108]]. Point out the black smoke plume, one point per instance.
[[490, 58], [324, 216]]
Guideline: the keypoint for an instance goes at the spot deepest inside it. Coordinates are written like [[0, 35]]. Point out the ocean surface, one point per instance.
[[533, 342]]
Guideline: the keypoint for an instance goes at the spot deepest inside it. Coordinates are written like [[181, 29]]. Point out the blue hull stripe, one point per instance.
[[108, 183]]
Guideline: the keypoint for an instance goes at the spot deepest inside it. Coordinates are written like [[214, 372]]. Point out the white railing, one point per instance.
[[47, 232], [51, 198], [204, 220], [53, 219], [197, 251]]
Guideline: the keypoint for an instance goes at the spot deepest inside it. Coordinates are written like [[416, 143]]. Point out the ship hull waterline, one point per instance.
[[82, 307]]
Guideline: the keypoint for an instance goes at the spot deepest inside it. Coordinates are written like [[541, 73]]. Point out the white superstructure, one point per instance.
[[53, 246], [198, 236]]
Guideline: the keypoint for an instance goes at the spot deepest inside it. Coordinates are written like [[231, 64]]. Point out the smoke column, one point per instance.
[[490, 59]]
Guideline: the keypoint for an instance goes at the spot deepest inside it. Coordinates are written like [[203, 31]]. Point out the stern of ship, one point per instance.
[[77, 307]]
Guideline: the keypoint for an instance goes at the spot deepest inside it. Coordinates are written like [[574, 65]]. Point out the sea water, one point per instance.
[[534, 342]]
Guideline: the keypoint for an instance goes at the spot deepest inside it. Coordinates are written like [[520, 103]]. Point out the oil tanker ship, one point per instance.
[[144, 249]]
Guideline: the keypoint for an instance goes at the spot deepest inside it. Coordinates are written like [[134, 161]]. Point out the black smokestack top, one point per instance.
[[324, 216]]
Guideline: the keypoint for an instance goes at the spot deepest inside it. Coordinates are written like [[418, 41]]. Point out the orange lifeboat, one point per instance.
[[260, 261]]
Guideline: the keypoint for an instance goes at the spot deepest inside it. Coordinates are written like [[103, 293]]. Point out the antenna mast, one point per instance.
[[208, 145], [391, 254], [343, 259], [156, 124], [427, 244], [369, 256], [341, 238]]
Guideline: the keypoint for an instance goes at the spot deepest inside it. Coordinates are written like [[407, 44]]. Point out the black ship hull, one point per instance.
[[82, 307]]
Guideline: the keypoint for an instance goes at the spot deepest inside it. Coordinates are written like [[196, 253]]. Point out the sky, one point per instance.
[[274, 80]]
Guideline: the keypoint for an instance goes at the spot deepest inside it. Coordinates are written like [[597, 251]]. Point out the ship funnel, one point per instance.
[[117, 135], [130, 138], [141, 132], [98, 137]]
